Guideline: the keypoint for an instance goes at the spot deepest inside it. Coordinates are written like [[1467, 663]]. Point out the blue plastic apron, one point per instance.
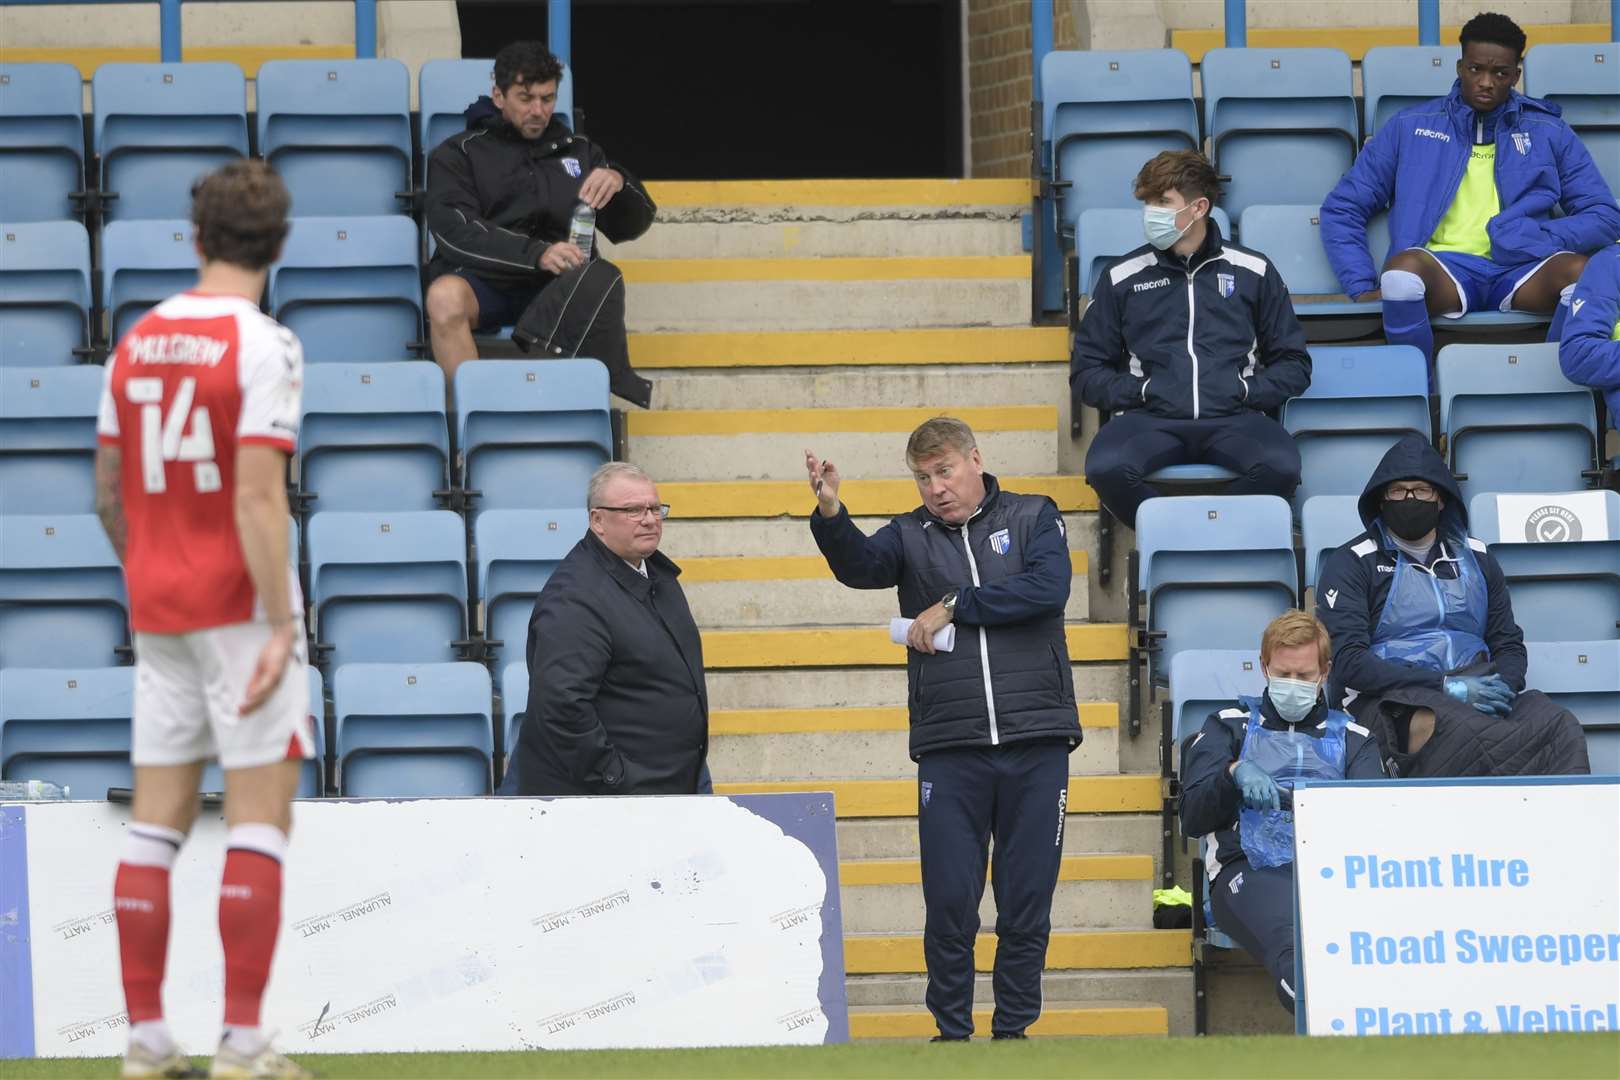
[[1286, 756], [1434, 622]]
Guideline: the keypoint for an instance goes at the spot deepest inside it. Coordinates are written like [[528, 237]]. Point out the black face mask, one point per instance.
[[1411, 519]]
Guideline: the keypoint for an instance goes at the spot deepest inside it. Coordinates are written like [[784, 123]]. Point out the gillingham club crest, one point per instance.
[[1000, 542]]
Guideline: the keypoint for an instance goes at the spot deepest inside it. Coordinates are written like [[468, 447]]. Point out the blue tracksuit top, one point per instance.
[[1415, 163], [1587, 352]]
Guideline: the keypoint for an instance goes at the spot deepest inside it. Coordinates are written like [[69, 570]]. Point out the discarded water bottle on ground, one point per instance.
[[30, 791], [582, 228]]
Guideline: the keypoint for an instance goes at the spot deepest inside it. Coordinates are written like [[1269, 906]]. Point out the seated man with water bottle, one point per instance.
[[514, 203], [1237, 780]]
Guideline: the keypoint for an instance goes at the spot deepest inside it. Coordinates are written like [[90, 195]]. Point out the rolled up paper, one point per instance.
[[944, 638]]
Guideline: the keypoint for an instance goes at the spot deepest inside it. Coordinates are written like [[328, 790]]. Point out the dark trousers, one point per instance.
[[1256, 908], [581, 313], [1016, 794], [1134, 444]]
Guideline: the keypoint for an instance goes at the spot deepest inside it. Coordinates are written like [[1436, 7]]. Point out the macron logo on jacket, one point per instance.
[[1430, 133], [1146, 285]]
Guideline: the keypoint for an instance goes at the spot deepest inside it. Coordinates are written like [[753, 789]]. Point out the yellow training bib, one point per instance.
[[1463, 227]]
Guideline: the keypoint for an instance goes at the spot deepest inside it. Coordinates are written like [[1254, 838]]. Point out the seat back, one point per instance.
[[447, 88], [517, 551], [70, 727], [62, 600], [1262, 106], [1396, 77], [350, 288], [365, 422], [1327, 522], [142, 264], [338, 132], [1204, 680], [44, 292], [1291, 237], [1106, 233], [532, 432], [412, 730], [41, 140], [1513, 422], [1584, 81], [1561, 555], [48, 439], [157, 127], [1583, 677]]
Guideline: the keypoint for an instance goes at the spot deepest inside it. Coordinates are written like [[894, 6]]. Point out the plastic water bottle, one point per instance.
[[30, 791], [582, 228]]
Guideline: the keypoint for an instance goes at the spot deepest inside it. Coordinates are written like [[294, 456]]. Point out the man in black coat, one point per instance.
[[617, 702], [1426, 652], [993, 718], [500, 199]]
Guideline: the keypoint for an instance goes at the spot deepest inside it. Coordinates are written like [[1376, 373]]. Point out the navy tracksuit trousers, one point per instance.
[[1256, 908], [1016, 795]]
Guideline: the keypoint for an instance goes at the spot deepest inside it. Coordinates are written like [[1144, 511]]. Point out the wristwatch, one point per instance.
[[948, 602]]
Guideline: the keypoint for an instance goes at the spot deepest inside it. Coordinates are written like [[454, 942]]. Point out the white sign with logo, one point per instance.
[[1559, 518], [1445, 907]]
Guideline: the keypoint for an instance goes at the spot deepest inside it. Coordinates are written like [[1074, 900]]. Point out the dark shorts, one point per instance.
[[499, 304]]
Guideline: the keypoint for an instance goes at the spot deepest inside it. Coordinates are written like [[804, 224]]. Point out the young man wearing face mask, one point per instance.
[[1426, 652], [1237, 772], [1189, 341]]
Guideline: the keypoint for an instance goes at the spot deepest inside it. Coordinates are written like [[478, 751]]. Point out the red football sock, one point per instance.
[[249, 917], [141, 907]]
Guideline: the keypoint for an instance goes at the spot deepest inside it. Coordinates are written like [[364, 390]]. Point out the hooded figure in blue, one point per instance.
[[1426, 653], [1471, 182]]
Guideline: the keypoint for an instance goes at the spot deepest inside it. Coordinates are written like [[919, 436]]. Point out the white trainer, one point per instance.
[[267, 1064], [141, 1063]]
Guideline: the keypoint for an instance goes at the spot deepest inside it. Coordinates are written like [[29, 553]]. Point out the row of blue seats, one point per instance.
[[339, 132], [397, 730]]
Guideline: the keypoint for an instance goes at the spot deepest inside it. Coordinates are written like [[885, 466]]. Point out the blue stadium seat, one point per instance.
[[1583, 677], [412, 730], [373, 436], [44, 293], [514, 700], [41, 141], [1106, 233], [350, 288], [388, 588], [1104, 114], [48, 439], [1228, 553], [309, 777], [1563, 588], [1204, 680], [1512, 421], [531, 432], [70, 727], [1265, 106], [62, 600], [142, 264], [1584, 81], [1290, 236], [446, 88], [1396, 77], [160, 126], [1361, 401], [517, 551], [1325, 523], [339, 133]]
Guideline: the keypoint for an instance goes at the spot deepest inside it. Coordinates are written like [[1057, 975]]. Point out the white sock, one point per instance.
[[246, 1041], [1565, 293], [152, 1035]]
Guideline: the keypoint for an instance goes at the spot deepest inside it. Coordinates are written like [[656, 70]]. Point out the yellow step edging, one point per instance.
[[831, 268], [860, 646], [821, 421], [246, 57], [1081, 1020], [1356, 40], [1075, 868], [1093, 715], [716, 568], [1068, 950], [852, 348], [1127, 794], [865, 498], [669, 194]]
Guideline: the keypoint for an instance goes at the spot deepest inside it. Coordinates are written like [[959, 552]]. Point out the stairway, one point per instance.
[[836, 316]]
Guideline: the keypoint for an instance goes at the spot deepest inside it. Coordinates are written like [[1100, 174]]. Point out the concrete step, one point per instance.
[[746, 236], [1105, 891], [864, 497], [1167, 988], [1058, 1019], [769, 444], [808, 294], [811, 688], [886, 386], [954, 346], [861, 744], [1133, 794], [1116, 833], [1077, 950], [709, 549], [862, 646]]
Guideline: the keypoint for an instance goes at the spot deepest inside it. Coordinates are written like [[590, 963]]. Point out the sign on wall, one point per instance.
[[455, 924]]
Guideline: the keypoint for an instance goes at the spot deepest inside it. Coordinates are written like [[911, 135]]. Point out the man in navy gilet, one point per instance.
[[993, 715]]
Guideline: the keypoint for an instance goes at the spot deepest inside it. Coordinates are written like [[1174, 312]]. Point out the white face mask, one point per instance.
[[1293, 698], [1159, 225]]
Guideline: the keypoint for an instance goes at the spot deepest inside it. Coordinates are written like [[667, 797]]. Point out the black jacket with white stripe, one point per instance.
[[1207, 336], [1210, 799], [496, 201]]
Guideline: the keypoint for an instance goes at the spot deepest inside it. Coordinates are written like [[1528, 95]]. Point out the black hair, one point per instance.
[[1492, 29], [524, 63]]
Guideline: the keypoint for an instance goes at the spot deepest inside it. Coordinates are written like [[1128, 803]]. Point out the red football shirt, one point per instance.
[[197, 377]]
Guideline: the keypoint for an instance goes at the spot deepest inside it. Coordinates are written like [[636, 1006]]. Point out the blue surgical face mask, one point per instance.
[[1159, 224], [1293, 698]]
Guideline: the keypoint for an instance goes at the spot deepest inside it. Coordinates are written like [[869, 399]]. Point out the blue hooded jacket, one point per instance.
[[1588, 352], [1416, 162]]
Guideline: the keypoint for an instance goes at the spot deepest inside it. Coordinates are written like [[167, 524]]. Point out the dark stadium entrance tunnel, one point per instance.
[[757, 89]]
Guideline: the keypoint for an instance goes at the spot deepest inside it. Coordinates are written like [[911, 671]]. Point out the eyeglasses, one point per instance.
[[636, 513], [1421, 492]]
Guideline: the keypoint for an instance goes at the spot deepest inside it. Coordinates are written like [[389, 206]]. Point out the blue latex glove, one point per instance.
[[1258, 788], [1487, 693]]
